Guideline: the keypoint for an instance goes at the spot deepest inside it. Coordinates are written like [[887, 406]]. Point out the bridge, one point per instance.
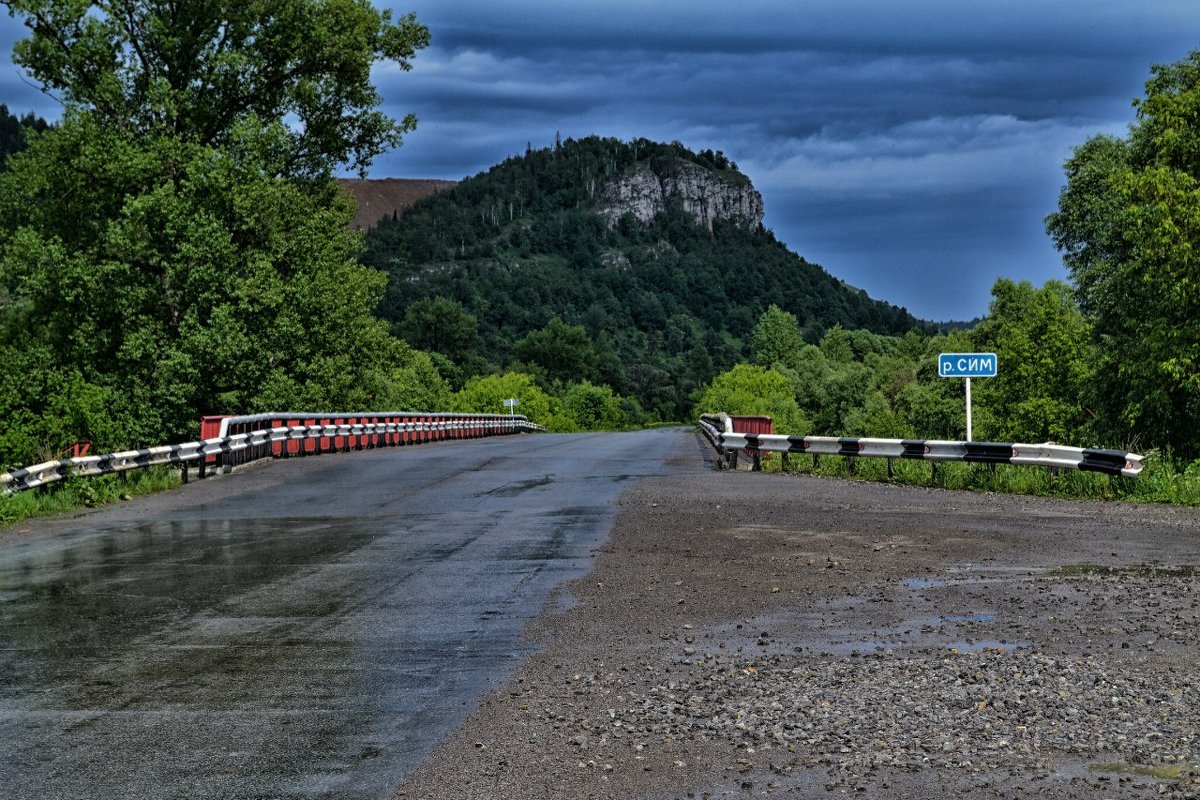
[[528, 617]]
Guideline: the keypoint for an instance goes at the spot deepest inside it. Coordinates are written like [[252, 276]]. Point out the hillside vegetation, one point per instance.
[[539, 265]]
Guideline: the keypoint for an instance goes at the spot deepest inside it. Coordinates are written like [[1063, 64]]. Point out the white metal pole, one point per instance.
[[969, 410]]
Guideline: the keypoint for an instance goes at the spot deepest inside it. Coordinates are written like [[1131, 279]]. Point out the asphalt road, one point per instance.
[[311, 628]]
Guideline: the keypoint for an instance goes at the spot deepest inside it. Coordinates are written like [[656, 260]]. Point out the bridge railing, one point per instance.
[[1055, 456], [278, 435]]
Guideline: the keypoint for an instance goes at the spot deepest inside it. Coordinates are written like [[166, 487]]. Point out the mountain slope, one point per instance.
[[657, 252]]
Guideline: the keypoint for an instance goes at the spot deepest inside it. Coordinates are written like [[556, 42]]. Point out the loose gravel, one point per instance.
[[757, 635]]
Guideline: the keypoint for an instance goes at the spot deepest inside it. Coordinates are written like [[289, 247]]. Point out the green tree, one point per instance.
[[751, 389], [563, 352], [1041, 339], [207, 71], [777, 338], [175, 247], [486, 394], [594, 408], [1128, 226], [440, 325], [876, 418], [218, 290]]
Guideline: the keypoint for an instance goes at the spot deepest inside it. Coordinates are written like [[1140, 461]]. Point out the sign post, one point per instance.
[[510, 404], [967, 365]]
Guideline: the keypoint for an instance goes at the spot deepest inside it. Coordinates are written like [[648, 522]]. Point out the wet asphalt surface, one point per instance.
[[310, 628]]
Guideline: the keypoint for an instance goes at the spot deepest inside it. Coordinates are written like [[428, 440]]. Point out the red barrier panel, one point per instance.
[[752, 424], [210, 428]]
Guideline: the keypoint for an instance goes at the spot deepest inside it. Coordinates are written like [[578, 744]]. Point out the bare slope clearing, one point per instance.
[[384, 197]]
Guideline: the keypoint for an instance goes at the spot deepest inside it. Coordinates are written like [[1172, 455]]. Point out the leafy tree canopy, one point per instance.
[[176, 245], [216, 290], [754, 390], [1045, 372], [777, 338], [486, 394], [201, 70], [1128, 226], [563, 352]]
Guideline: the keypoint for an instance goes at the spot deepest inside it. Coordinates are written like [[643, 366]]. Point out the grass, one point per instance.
[[76, 493], [1166, 772], [1159, 482]]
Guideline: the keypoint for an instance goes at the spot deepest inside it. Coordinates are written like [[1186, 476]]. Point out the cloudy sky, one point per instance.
[[910, 147]]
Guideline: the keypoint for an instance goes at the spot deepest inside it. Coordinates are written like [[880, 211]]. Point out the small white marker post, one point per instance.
[[967, 365], [968, 409]]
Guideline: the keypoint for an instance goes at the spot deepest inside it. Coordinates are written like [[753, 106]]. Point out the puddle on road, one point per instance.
[[924, 583]]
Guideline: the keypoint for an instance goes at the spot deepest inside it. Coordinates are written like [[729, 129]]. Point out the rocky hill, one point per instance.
[[656, 252]]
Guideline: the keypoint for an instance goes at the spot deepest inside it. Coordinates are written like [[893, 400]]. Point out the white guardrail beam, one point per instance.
[[19, 480], [1109, 462]]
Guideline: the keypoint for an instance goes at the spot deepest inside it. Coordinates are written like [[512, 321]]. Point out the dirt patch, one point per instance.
[[746, 634], [388, 197]]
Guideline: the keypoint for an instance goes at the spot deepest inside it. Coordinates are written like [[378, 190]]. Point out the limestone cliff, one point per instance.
[[704, 194]]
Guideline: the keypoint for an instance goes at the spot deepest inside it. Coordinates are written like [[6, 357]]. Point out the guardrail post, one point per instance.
[[891, 469], [184, 476], [850, 466], [784, 461], [757, 467], [816, 460]]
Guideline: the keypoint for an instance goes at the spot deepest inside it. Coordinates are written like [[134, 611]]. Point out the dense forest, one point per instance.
[[515, 269]]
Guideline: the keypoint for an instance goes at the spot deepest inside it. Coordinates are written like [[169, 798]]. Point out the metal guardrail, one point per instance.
[[1055, 456], [271, 436]]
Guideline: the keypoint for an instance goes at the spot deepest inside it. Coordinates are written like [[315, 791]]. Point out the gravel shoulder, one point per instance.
[[764, 635]]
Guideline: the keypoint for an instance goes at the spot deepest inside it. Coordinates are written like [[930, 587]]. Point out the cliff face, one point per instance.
[[704, 195]]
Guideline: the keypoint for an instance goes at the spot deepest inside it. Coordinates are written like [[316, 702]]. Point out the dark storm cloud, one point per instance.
[[912, 148]]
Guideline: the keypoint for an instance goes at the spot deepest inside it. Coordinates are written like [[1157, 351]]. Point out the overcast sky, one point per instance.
[[911, 148]]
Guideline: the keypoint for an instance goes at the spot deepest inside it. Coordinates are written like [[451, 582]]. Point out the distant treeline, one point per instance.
[[14, 131]]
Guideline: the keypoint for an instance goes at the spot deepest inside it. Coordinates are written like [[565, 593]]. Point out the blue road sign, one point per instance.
[[967, 365]]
